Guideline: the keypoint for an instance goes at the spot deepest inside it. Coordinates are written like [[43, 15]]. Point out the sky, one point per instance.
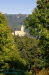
[[17, 6]]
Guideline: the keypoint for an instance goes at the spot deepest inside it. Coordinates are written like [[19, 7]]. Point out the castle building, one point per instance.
[[21, 32]]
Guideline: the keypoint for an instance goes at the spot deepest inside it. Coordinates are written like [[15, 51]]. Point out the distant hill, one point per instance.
[[15, 20]]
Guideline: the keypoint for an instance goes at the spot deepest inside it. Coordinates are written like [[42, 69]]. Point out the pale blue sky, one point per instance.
[[17, 6]]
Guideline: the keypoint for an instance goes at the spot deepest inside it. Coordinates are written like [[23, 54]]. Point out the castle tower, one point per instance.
[[22, 28], [21, 32]]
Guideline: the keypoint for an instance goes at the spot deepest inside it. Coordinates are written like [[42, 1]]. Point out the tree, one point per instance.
[[39, 18], [28, 48], [3, 19], [38, 24], [9, 54]]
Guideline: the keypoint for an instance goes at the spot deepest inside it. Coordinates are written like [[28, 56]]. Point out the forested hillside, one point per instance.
[[15, 20]]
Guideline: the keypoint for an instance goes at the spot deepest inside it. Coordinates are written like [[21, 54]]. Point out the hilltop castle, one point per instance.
[[21, 32]]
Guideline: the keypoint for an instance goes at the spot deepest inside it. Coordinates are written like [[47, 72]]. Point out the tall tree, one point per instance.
[[38, 24], [9, 54]]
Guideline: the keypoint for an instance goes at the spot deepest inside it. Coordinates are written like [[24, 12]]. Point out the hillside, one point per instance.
[[15, 20]]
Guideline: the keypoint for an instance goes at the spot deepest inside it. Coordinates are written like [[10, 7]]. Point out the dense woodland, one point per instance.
[[24, 53]]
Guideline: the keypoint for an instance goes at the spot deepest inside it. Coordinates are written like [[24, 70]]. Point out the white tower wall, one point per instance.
[[22, 28]]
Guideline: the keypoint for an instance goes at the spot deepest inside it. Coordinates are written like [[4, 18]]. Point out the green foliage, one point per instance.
[[3, 19], [28, 48], [9, 54], [24, 52], [27, 73], [39, 19], [38, 24]]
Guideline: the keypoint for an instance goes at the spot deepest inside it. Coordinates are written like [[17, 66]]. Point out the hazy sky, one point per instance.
[[17, 6]]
